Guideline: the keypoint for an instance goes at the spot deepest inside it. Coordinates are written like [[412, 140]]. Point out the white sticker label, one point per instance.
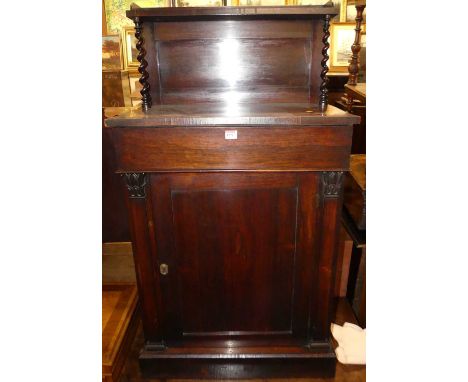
[[230, 134]]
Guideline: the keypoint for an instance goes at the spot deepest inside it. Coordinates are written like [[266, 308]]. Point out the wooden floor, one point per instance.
[[344, 373]]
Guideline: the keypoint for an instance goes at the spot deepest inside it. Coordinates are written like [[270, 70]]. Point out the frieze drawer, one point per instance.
[[304, 148]]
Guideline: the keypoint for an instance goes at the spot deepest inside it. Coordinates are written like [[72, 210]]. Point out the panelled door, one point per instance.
[[236, 254]]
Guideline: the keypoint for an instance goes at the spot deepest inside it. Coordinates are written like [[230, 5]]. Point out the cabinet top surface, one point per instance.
[[234, 12], [194, 115]]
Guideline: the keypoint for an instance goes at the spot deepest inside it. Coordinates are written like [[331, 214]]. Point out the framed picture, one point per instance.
[[130, 51], [135, 88], [111, 53], [115, 12], [199, 3], [257, 3], [343, 10], [275, 2], [341, 39], [307, 2]]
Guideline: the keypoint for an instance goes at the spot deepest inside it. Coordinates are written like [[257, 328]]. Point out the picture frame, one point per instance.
[[343, 10], [115, 12], [130, 52], [111, 53], [199, 3], [342, 37], [135, 87]]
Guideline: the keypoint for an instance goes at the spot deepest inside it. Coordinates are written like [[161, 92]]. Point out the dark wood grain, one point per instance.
[[227, 63], [218, 13], [287, 362], [115, 227], [268, 149], [235, 240], [235, 54], [229, 29], [152, 58], [254, 293], [329, 199], [225, 114], [220, 289], [143, 248], [232, 279], [344, 373]]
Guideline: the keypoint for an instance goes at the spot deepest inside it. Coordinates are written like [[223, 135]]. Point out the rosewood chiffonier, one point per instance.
[[233, 169]]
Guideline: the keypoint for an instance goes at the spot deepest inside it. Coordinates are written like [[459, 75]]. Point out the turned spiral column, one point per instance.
[[145, 91], [353, 67], [323, 99]]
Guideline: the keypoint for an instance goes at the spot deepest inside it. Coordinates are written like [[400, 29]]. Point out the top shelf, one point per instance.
[[206, 13]]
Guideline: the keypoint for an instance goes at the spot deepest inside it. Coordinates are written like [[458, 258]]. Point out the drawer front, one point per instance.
[[243, 148]]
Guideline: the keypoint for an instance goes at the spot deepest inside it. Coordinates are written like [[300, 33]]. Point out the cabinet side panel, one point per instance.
[[322, 306], [114, 214], [143, 249]]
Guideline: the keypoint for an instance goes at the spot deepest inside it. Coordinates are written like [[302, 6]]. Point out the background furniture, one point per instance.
[[354, 221], [233, 172], [356, 103], [356, 92], [355, 187], [335, 85], [354, 64], [354, 99], [355, 190], [119, 324]]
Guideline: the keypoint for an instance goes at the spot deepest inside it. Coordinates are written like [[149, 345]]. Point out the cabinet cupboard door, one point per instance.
[[235, 254]]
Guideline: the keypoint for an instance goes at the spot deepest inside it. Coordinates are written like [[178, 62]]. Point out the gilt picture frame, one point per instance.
[[342, 37], [130, 52], [111, 53]]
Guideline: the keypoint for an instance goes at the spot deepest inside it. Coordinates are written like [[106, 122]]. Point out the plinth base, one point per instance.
[[237, 363]]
